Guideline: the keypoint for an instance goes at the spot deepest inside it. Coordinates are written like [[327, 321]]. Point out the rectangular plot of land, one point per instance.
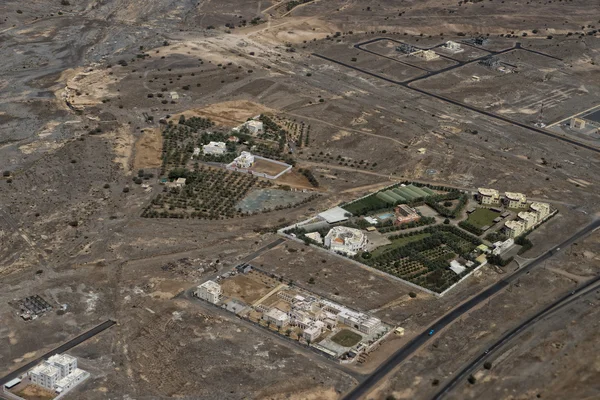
[[268, 167], [517, 95], [374, 64], [387, 48]]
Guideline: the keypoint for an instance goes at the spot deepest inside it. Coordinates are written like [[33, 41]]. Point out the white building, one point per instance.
[[244, 160], [254, 127], [214, 148], [210, 291], [70, 381], [314, 331], [453, 46], [501, 247], [457, 267], [316, 236], [345, 240], [180, 182], [277, 317], [362, 322], [196, 152], [59, 373], [64, 362], [45, 375]]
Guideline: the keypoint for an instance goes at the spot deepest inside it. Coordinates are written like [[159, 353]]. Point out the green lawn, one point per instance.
[[399, 243], [482, 217], [346, 338]]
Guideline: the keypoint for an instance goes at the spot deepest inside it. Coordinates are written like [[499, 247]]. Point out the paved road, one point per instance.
[[464, 105], [402, 354], [263, 249], [550, 309], [61, 349]]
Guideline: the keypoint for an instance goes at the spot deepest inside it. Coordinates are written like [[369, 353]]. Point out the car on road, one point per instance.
[[431, 332]]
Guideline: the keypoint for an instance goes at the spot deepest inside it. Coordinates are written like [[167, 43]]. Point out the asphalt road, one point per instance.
[[406, 84], [402, 354], [551, 308], [61, 349], [258, 252]]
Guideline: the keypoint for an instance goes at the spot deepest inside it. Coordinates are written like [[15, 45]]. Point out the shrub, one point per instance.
[[412, 295], [472, 379], [487, 365]]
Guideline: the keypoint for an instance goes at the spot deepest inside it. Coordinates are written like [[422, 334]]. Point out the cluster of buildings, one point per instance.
[[59, 373], [532, 214], [526, 220], [491, 197], [348, 241], [315, 316]]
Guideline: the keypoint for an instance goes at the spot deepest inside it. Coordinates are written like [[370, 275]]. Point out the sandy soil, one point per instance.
[[267, 167], [296, 180], [228, 113], [148, 150]]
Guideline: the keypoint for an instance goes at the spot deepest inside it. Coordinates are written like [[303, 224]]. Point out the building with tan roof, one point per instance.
[[542, 210], [488, 196], [515, 200], [514, 228], [529, 218]]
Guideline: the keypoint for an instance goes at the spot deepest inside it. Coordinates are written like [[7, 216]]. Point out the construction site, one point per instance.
[[279, 305]]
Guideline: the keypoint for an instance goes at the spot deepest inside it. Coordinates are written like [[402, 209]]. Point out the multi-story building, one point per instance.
[[210, 291], [405, 214], [542, 210], [515, 200], [345, 240], [59, 373], [244, 160], [216, 148], [488, 196], [313, 331], [276, 317], [514, 228], [45, 375], [529, 218], [64, 362]]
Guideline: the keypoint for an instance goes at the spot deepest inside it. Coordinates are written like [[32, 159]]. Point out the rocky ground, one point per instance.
[[75, 81]]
